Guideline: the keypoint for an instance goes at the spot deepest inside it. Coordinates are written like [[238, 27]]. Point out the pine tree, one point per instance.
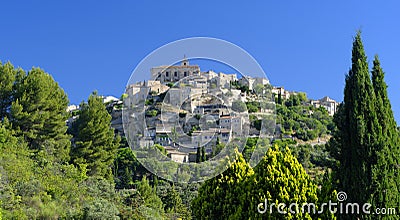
[[8, 76], [95, 142], [38, 113], [386, 178]]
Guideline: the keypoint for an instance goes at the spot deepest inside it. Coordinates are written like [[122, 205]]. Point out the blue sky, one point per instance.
[[301, 45]]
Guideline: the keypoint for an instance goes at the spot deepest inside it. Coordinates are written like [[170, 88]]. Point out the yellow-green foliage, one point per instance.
[[280, 178], [236, 193]]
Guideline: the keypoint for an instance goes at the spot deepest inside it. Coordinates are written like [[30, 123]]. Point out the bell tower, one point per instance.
[[185, 61]]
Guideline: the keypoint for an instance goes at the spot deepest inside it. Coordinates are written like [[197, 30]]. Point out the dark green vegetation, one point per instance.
[[366, 142], [304, 122], [89, 172]]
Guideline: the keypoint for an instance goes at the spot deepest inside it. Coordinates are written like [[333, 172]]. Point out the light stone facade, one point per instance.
[[233, 123], [166, 74], [329, 104]]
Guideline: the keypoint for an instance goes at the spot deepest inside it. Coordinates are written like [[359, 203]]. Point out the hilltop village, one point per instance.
[[182, 109]]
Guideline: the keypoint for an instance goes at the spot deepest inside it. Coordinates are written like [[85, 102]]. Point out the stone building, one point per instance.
[[233, 123], [209, 137], [329, 104], [177, 156], [252, 82], [285, 94], [224, 80], [166, 74]]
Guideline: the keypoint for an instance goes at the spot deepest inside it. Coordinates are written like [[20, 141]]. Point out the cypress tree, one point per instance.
[[279, 98], [366, 142], [386, 181], [95, 143], [198, 155], [354, 141], [203, 154]]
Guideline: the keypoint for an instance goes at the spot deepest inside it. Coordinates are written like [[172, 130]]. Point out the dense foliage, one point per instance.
[[94, 144], [303, 121], [48, 171], [366, 143], [237, 193]]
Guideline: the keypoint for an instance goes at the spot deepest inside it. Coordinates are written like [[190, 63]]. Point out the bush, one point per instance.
[[151, 113], [238, 106], [100, 209], [252, 107], [149, 101]]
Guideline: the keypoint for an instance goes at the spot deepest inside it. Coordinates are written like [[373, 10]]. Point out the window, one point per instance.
[[185, 74], [167, 74], [175, 74]]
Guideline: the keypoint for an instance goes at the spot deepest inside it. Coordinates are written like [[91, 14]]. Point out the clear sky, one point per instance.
[[301, 45]]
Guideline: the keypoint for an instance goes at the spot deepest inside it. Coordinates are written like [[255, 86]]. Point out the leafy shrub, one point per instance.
[[238, 106]]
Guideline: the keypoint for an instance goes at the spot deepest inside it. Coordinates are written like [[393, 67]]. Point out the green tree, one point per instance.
[[174, 135], [100, 199], [302, 96], [217, 148], [174, 206], [8, 78], [127, 168], [357, 137], [149, 197], [280, 178], [252, 106], [34, 189], [198, 154], [225, 196], [203, 154], [100, 209], [239, 106], [39, 114], [385, 175], [95, 142], [327, 193], [15, 167], [280, 98]]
